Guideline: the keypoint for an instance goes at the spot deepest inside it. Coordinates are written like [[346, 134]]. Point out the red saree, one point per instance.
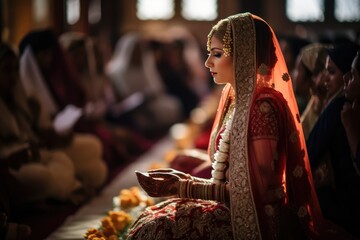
[[271, 192]]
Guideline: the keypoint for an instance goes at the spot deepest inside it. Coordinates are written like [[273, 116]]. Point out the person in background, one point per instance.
[[44, 173], [85, 55], [47, 74], [311, 68], [350, 114], [291, 47], [176, 74], [261, 185], [337, 181], [136, 81], [72, 161]]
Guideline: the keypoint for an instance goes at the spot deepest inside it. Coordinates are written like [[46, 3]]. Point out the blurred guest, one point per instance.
[[42, 173], [85, 55], [350, 114], [338, 63], [176, 74], [310, 67], [47, 74], [291, 47], [136, 80], [336, 179]]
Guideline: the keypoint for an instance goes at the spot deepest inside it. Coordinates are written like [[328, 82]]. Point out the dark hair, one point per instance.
[[39, 40], [265, 49], [342, 55]]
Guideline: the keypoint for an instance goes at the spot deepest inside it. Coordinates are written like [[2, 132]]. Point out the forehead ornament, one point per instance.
[[227, 40]]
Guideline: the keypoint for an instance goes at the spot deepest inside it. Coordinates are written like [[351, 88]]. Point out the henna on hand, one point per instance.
[[158, 186]]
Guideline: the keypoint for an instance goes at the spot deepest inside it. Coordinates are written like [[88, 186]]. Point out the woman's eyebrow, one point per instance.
[[216, 48]]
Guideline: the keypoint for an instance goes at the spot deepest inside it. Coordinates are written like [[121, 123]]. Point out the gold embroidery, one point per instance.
[[269, 210], [298, 171], [264, 121], [265, 107], [302, 212], [263, 69], [244, 216], [280, 193], [294, 137], [286, 77]]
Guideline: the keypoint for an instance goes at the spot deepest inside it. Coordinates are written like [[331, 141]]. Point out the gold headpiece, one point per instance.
[[227, 40]]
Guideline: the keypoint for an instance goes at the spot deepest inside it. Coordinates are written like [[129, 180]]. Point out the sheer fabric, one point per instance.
[[272, 194], [265, 76]]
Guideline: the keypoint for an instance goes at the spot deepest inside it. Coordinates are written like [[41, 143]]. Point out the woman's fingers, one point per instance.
[[161, 170]]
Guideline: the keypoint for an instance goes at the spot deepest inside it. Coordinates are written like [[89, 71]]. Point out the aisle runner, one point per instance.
[[89, 215]]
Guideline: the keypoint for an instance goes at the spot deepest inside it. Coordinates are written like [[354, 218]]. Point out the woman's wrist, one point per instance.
[[203, 190]]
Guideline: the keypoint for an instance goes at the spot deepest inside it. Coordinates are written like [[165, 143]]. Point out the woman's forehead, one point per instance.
[[216, 43]]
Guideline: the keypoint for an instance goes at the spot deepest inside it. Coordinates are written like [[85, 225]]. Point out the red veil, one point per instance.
[[261, 73]]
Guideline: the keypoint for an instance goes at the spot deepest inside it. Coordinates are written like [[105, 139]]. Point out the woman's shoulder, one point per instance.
[[268, 96]]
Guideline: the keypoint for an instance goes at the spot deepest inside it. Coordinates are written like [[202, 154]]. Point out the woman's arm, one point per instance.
[[168, 182], [267, 163]]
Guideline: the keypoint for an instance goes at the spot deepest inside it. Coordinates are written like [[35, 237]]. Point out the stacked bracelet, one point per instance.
[[202, 190]]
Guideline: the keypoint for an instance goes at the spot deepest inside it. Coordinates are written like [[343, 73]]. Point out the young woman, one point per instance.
[[261, 185]]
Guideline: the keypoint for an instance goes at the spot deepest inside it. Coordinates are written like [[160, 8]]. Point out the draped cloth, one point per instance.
[[271, 197], [249, 213]]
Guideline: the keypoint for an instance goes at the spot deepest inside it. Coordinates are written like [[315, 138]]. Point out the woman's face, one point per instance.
[[352, 82], [334, 80], [319, 88], [221, 67], [302, 78]]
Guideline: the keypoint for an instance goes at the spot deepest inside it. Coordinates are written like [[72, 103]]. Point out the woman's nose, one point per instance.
[[207, 62]]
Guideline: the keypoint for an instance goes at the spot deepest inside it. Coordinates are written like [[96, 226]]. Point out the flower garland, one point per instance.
[[222, 154]]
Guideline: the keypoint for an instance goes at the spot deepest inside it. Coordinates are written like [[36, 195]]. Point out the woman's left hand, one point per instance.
[[159, 185]]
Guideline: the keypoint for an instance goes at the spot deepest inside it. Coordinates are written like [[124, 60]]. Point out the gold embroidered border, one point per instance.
[[243, 211]]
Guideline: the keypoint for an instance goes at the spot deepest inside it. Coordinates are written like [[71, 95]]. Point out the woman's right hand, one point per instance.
[[160, 172], [160, 184]]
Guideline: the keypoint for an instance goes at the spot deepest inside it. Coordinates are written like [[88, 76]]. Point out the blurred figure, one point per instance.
[[176, 74], [338, 63], [336, 179], [98, 91], [137, 83], [85, 55], [310, 69], [291, 46], [350, 114], [42, 173], [47, 74]]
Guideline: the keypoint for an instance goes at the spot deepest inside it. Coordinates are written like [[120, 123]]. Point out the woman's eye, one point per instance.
[[217, 55]]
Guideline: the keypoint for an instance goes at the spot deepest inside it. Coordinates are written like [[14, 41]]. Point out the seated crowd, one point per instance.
[[70, 122]]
